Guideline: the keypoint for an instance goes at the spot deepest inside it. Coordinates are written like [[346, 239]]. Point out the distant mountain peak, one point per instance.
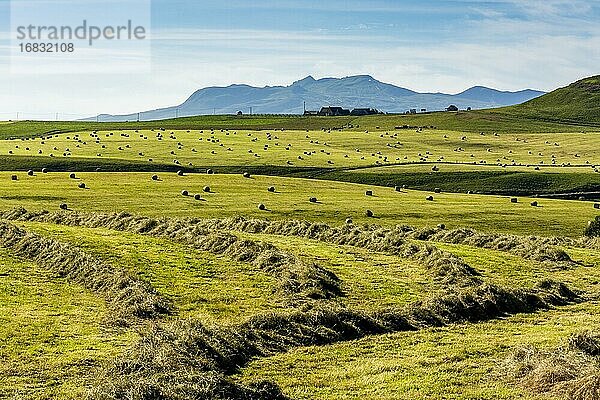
[[358, 91]]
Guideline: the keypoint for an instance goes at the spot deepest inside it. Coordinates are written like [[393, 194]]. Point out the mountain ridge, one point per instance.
[[348, 92]]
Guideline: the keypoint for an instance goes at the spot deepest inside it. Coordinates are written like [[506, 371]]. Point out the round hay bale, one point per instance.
[[197, 197], [429, 198], [44, 171], [313, 199], [180, 173], [597, 206], [210, 171], [369, 193], [437, 190], [262, 207], [206, 189], [271, 189], [154, 177], [534, 204], [14, 177], [514, 200], [185, 193], [81, 185], [64, 206], [246, 175], [72, 175], [369, 213], [441, 226], [349, 221], [397, 188], [30, 172]]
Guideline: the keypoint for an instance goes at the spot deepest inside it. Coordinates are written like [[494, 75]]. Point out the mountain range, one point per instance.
[[350, 92]]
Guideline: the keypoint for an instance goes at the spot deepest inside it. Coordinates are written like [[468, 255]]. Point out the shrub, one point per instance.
[[593, 228]]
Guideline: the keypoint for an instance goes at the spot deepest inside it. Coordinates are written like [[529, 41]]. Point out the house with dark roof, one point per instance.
[[333, 112]]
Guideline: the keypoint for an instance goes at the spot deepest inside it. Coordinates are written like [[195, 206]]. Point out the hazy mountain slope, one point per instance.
[[349, 92]]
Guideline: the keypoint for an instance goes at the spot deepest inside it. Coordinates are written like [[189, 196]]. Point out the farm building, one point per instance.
[[333, 112], [364, 111]]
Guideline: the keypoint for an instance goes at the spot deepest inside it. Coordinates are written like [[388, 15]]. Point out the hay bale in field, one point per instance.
[[185, 193], [349, 221], [81, 185], [210, 171], [14, 177], [246, 175], [30, 172], [72, 175], [369, 213], [262, 207], [437, 190], [180, 173], [154, 177], [397, 188], [63, 206], [197, 197], [369, 193], [313, 199], [271, 189], [44, 171], [429, 198], [597, 206], [441, 226], [206, 189], [514, 200], [534, 204]]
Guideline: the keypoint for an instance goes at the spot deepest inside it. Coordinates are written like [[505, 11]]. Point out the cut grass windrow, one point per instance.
[[128, 298], [162, 360], [299, 281], [571, 371], [393, 240]]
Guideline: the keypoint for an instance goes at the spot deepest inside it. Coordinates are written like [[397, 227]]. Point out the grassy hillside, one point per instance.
[[578, 103]]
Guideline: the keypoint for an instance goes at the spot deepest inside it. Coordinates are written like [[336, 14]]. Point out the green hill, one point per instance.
[[577, 103]]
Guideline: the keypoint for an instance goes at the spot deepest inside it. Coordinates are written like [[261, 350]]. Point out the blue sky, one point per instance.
[[434, 46]]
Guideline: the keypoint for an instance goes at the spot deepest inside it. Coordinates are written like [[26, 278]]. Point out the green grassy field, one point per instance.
[[352, 310], [234, 195]]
